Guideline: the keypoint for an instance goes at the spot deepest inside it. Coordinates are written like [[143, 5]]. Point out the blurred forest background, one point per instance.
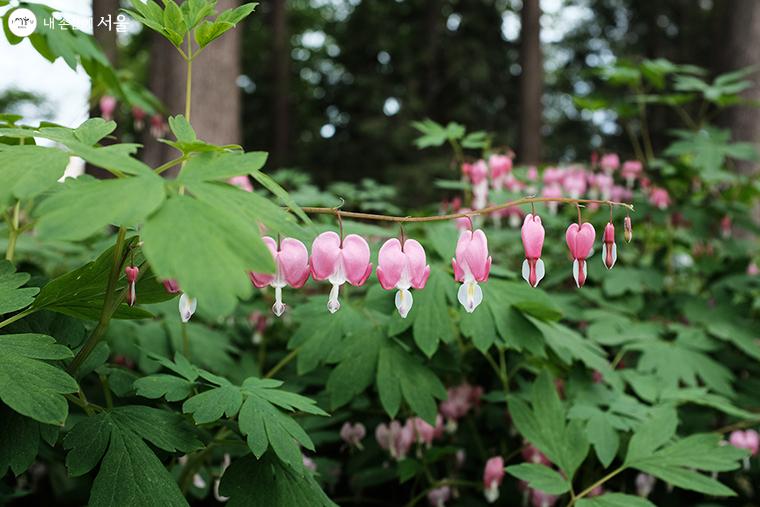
[[331, 87]]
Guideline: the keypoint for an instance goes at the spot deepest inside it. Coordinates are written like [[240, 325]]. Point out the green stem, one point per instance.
[[109, 306], [106, 391], [18, 316], [598, 483], [170, 164], [189, 82], [283, 362], [185, 341], [13, 233]]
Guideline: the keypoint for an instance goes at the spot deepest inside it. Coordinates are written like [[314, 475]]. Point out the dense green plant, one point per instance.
[[641, 371]]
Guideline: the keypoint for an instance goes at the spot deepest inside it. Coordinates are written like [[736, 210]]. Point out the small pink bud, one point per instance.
[[242, 182], [609, 248], [395, 438], [131, 273], [631, 170], [340, 262], [472, 264], [157, 126], [107, 106], [533, 241], [628, 229], [580, 241], [171, 286]]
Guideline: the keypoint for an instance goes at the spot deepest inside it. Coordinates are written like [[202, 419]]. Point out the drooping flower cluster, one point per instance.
[[398, 439]]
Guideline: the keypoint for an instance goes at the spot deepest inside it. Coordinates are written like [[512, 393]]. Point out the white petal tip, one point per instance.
[[278, 309]]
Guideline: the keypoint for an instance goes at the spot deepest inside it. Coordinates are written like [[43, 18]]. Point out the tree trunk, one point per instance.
[[281, 81], [215, 104], [531, 83], [742, 49], [106, 39]]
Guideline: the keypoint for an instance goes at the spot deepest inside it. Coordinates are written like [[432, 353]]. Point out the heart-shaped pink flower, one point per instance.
[[291, 268], [471, 265], [580, 241], [532, 234], [402, 267], [340, 262], [609, 248]]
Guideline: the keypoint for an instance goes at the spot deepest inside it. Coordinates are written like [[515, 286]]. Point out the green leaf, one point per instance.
[[399, 373], [268, 481], [614, 500], [181, 128], [357, 367], [540, 477], [83, 207], [80, 293], [12, 297], [545, 426], [221, 166], [87, 442], [167, 386], [676, 463], [131, 474], [30, 386], [214, 270], [430, 313], [209, 406], [19, 441], [162, 428], [208, 31], [27, 171], [603, 437]]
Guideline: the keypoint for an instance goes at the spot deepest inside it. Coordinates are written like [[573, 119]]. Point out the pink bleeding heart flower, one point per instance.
[[609, 248], [531, 454], [340, 262], [437, 497], [501, 165], [644, 484], [107, 106], [292, 268], [631, 170], [609, 162], [242, 182], [395, 438], [471, 265], [131, 273], [627, 229], [749, 440], [157, 126], [659, 197], [402, 266], [533, 241], [540, 499], [171, 286], [493, 475], [138, 115], [753, 269], [353, 434], [552, 191], [580, 241], [477, 172], [423, 431]]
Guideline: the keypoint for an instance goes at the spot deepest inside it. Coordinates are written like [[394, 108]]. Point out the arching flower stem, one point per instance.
[[469, 214]]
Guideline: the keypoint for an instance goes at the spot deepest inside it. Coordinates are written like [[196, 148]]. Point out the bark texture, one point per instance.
[[531, 83], [215, 110]]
